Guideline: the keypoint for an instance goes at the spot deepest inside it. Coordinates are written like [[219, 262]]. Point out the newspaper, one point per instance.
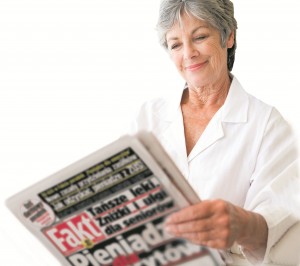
[[109, 208]]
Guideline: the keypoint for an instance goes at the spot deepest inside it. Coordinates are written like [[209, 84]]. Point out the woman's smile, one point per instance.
[[195, 67]]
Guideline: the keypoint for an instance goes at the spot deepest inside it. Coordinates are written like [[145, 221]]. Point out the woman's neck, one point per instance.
[[207, 96]]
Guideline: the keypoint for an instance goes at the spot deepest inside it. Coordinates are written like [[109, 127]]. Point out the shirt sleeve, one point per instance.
[[276, 171]]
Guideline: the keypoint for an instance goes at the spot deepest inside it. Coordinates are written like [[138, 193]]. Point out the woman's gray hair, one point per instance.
[[218, 13]]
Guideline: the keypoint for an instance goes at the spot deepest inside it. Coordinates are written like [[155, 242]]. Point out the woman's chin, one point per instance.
[[197, 84]]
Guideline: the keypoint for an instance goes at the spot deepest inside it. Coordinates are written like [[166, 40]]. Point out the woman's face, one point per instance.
[[195, 48]]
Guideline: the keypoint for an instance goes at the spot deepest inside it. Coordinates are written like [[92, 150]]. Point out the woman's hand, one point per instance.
[[218, 224]]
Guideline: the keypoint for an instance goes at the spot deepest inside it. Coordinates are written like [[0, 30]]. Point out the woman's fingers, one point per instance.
[[211, 223], [202, 232], [199, 225], [198, 211], [213, 242]]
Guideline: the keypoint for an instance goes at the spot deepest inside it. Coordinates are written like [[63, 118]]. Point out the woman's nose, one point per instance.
[[190, 51]]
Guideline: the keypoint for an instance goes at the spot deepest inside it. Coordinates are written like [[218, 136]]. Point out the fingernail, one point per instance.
[[167, 220], [168, 228]]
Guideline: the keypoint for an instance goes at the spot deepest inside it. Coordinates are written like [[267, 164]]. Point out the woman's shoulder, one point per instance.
[[257, 106], [155, 104], [262, 107], [266, 115], [161, 108]]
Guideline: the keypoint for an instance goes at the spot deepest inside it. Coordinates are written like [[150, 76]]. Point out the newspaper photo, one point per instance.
[[109, 208]]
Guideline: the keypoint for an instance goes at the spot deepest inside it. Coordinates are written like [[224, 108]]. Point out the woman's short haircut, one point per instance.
[[218, 13]]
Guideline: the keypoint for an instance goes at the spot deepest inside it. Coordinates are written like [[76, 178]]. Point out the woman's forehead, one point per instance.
[[187, 24]]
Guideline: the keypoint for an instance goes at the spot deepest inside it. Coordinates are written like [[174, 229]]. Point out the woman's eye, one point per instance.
[[200, 38], [174, 46]]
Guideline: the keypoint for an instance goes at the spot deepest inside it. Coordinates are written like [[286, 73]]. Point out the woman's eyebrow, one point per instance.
[[202, 26], [193, 31]]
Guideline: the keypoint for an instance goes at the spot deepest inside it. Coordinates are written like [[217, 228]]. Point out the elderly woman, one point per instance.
[[230, 146]]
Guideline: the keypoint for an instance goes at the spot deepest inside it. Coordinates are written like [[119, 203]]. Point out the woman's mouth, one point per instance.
[[195, 67]]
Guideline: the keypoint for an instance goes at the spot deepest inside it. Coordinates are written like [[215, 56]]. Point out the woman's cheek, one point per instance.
[[216, 58]]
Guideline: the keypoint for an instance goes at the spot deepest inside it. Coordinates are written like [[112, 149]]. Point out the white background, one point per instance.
[[73, 72]]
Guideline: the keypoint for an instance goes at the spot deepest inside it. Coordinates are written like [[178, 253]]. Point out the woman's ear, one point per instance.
[[230, 40]]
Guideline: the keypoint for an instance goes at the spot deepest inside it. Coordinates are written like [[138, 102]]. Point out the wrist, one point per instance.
[[253, 235]]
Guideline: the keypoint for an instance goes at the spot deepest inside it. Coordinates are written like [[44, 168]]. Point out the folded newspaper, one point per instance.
[[109, 208]]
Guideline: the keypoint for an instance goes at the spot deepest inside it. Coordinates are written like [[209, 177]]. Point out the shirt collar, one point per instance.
[[234, 110]]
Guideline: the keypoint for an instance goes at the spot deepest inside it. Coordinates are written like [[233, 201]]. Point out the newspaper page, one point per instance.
[[109, 209]]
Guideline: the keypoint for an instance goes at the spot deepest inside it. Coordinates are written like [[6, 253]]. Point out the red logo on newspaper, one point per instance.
[[74, 234]]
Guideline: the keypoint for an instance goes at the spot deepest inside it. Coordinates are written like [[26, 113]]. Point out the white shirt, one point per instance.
[[246, 149]]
